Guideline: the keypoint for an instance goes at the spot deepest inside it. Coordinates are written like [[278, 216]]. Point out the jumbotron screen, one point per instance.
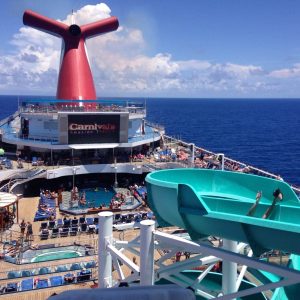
[[84, 129]]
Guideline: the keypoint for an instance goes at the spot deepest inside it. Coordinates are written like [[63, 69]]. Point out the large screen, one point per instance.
[[84, 129]]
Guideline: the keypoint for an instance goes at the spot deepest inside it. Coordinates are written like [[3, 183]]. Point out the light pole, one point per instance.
[[116, 173]]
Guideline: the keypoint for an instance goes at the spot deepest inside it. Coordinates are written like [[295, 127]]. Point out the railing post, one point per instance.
[[147, 252], [104, 257], [229, 269]]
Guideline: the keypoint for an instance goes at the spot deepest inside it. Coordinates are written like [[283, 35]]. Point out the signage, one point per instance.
[[86, 129]]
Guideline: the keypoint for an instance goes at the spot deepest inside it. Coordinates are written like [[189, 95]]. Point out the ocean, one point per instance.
[[263, 133]]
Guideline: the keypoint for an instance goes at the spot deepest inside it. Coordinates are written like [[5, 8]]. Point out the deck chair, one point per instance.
[[61, 268], [81, 220], [44, 225], [42, 283], [74, 231], [89, 221], [96, 221], [27, 284], [51, 224], [59, 223], [44, 234], [90, 264], [74, 222], [12, 287], [83, 227], [84, 275], [55, 232], [67, 223], [56, 280], [44, 270], [76, 266], [64, 232]]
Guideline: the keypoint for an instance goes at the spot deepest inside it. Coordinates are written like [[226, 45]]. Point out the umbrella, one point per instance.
[[2, 151]]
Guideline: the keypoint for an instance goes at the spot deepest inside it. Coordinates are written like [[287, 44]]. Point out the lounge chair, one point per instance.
[[61, 268], [89, 221], [117, 218], [83, 227], [55, 232], [74, 222], [76, 266], [12, 287], [27, 284], [51, 224], [44, 234], [42, 283], [67, 223], [73, 231], [64, 232], [84, 275], [44, 270], [96, 221], [69, 278], [90, 264], [56, 280], [26, 273], [59, 223], [44, 225], [81, 220], [13, 274]]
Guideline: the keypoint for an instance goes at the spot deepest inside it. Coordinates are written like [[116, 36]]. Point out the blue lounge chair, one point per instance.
[[62, 268], [51, 224], [90, 221], [44, 270], [42, 283], [27, 284], [56, 280], [12, 287], [64, 232], [26, 273], [90, 264], [76, 266], [73, 231], [13, 274], [55, 232], [84, 275], [44, 225], [96, 221], [59, 223], [81, 220], [83, 227]]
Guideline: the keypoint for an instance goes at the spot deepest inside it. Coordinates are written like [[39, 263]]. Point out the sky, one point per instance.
[[163, 48]]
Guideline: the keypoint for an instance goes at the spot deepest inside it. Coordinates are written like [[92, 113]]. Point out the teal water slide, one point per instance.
[[213, 202]]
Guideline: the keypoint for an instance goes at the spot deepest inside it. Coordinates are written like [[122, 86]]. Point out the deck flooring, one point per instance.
[[27, 209]]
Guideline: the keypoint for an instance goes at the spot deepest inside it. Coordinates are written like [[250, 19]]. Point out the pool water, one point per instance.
[[96, 197], [56, 255], [52, 253]]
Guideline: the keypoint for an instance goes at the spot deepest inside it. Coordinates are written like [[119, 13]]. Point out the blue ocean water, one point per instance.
[[260, 132]]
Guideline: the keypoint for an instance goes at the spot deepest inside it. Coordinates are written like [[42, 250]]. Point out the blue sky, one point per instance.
[[193, 48]]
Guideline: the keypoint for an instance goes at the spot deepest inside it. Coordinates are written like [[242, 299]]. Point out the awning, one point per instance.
[[93, 146], [7, 199]]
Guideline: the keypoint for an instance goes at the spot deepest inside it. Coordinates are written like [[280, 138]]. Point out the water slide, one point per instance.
[[213, 202]]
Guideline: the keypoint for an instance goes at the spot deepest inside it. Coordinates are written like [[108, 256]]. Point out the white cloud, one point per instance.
[[287, 73], [120, 66]]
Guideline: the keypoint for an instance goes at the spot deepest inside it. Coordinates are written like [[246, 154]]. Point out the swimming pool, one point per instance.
[[96, 197], [54, 253]]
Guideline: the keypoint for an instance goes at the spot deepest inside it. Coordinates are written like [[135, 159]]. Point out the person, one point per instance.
[[23, 227], [278, 196], [254, 206], [178, 256], [29, 232]]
